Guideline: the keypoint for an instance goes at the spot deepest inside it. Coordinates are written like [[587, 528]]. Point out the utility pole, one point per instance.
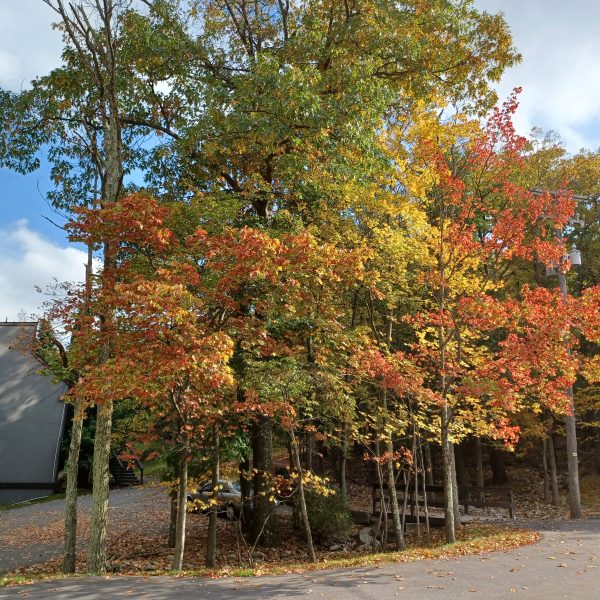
[[570, 423]]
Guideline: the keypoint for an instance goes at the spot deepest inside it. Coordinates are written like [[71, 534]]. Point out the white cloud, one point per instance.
[[28, 260], [29, 47], [560, 72]]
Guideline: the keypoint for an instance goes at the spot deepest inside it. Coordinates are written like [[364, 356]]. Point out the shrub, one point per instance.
[[329, 517]]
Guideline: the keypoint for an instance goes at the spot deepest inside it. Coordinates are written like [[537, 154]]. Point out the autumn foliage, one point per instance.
[[220, 328], [331, 252]]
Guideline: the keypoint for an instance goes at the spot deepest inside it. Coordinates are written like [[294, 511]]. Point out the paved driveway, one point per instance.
[[564, 564]]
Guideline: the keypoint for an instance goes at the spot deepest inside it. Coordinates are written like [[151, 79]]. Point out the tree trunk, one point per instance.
[[499, 476], [478, 463], [348, 417], [383, 509], [447, 479], [96, 555], [72, 470], [455, 496], [344, 463], [545, 470], [553, 477], [245, 487], [391, 481], [263, 528], [428, 464], [97, 49], [446, 413], [211, 544], [302, 500], [173, 512], [417, 508], [182, 493], [172, 519], [424, 488], [309, 457]]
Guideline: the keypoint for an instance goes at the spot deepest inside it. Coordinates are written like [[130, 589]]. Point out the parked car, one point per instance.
[[229, 499]]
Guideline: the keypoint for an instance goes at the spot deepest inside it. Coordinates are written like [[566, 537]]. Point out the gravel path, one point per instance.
[[564, 564], [22, 544]]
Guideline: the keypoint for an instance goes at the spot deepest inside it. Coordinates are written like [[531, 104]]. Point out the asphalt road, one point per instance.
[[564, 564]]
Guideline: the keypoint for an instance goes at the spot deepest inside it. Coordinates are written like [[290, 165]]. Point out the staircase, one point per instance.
[[124, 475]]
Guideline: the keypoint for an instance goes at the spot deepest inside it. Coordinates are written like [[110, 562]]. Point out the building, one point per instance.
[[32, 418]]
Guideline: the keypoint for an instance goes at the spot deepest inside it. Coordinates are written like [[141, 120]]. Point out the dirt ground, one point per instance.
[[31, 536]]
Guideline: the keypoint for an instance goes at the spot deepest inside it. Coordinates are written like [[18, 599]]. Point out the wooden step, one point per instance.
[[123, 476]]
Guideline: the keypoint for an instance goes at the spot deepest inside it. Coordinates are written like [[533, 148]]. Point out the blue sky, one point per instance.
[[560, 71], [560, 76], [23, 196]]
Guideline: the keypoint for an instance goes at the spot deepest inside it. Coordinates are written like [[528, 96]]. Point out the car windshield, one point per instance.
[[226, 486]]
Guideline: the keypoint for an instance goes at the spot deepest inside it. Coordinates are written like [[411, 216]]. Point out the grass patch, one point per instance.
[[14, 580], [154, 470], [43, 500], [243, 573], [8, 580]]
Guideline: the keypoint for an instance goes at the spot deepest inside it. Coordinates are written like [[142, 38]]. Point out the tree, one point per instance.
[[483, 223], [274, 109], [299, 136], [96, 48], [182, 365]]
